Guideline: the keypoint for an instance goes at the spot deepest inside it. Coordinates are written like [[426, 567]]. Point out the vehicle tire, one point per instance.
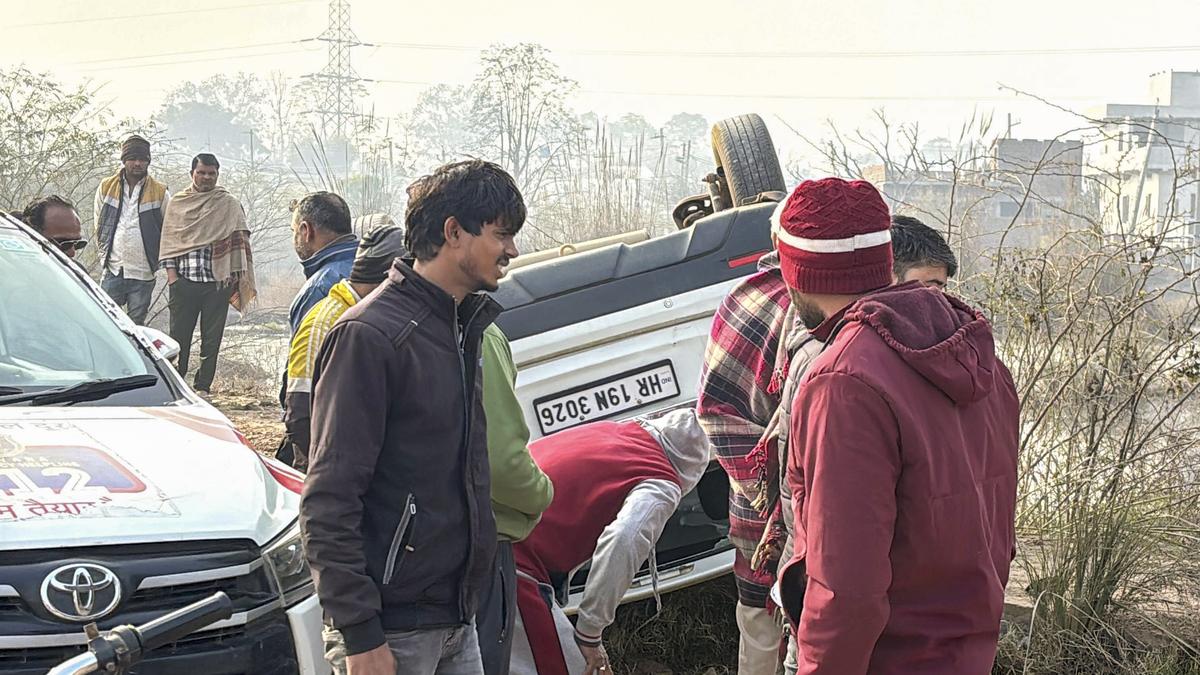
[[746, 156]]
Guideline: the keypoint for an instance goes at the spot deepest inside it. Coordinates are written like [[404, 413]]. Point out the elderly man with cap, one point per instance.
[[128, 212], [902, 454], [615, 486], [373, 259]]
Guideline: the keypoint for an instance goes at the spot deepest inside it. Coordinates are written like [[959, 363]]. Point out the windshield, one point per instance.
[[53, 334]]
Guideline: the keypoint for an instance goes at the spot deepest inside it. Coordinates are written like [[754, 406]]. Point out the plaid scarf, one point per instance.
[[215, 218], [233, 253], [740, 388]]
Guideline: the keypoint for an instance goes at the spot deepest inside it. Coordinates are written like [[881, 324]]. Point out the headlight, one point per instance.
[[285, 557]]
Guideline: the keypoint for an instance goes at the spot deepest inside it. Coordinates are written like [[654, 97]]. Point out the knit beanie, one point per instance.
[[834, 238], [376, 251], [135, 147]]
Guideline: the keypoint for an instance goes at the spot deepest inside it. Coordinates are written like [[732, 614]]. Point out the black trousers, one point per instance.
[[497, 613], [207, 302]]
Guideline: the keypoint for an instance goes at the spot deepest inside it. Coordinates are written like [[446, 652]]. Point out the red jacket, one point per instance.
[[904, 469]]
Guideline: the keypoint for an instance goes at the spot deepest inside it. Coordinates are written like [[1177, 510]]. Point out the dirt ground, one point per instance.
[[257, 417]]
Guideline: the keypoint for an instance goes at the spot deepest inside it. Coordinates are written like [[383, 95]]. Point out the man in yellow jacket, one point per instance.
[[376, 251]]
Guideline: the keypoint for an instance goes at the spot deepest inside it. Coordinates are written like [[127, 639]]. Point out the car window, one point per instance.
[[52, 332]]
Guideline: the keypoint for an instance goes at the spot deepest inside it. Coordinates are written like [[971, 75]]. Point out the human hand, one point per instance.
[[596, 660], [172, 276], [378, 661]]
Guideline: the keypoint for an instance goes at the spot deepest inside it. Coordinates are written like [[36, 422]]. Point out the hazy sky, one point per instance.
[[801, 61]]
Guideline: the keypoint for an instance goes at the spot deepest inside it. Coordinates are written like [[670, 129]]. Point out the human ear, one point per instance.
[[452, 231]]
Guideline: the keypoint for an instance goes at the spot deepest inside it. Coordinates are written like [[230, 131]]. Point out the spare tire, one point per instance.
[[746, 157]]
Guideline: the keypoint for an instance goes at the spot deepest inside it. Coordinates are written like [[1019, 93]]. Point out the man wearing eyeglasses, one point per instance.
[[56, 219]]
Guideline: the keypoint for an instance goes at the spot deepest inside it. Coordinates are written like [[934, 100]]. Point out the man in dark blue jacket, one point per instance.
[[324, 240], [325, 243]]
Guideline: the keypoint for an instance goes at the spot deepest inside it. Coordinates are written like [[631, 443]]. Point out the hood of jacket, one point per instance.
[[684, 443], [344, 246], [943, 339]]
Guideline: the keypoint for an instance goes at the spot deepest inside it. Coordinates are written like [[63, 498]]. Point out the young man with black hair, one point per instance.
[[920, 253], [205, 250], [56, 219], [395, 511]]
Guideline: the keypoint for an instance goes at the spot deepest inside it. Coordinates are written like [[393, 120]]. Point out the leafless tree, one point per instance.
[[1099, 328]]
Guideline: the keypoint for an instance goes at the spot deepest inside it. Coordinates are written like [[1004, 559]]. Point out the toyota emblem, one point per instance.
[[81, 592]]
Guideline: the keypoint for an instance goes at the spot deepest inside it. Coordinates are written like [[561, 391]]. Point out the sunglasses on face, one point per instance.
[[68, 245]]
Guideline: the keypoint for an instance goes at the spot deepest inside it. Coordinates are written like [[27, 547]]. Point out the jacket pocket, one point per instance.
[[400, 539]]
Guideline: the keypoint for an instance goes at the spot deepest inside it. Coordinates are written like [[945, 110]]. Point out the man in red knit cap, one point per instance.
[[615, 486], [757, 351], [902, 457]]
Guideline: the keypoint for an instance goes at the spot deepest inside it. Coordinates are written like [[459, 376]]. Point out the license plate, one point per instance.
[[606, 398]]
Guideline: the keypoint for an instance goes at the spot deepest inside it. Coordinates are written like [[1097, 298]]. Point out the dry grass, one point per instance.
[[695, 633]]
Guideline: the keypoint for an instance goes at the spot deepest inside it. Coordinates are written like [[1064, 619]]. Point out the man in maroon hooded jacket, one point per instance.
[[903, 463]]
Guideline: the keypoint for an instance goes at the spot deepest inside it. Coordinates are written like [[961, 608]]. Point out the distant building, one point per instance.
[[1015, 194], [1047, 176], [1145, 158]]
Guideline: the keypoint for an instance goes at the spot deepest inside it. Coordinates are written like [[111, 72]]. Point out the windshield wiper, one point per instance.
[[91, 390], [4, 391]]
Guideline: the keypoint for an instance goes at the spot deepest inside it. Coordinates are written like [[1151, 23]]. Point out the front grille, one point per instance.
[[226, 651], [262, 647], [26, 614], [246, 591]]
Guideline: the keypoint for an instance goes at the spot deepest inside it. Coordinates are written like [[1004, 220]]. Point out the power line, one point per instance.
[[848, 54], [810, 97], [186, 52], [132, 66], [169, 13], [752, 95]]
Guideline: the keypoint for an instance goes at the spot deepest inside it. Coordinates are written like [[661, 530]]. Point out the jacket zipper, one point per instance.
[[403, 529], [468, 484]]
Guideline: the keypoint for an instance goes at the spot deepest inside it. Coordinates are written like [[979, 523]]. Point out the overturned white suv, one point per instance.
[[123, 495]]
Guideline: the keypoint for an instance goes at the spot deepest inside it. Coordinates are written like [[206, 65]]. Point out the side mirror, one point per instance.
[[162, 343]]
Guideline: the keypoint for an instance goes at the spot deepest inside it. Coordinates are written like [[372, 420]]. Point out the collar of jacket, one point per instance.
[[476, 309], [341, 245], [831, 325]]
